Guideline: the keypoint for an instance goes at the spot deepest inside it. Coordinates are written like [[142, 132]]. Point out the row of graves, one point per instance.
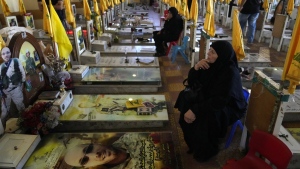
[[66, 104]]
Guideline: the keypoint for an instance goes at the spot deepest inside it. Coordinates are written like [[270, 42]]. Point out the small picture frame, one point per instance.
[[29, 21], [11, 21], [74, 9], [90, 31], [79, 40]]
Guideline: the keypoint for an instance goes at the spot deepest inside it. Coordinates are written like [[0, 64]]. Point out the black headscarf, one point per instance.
[[173, 11], [226, 54]]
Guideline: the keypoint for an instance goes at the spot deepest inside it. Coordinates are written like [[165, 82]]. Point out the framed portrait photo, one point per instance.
[[79, 40], [28, 21], [90, 31], [11, 21], [74, 9]]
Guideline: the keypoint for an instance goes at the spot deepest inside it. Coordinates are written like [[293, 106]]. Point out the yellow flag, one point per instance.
[[181, 10], [237, 36], [266, 5], [194, 11], [239, 2], [291, 70], [22, 9], [186, 10], [221, 1], [209, 23], [178, 5], [116, 2], [290, 7], [109, 3], [86, 10], [2, 43], [59, 35], [5, 8], [103, 6], [172, 3], [69, 13], [96, 7], [47, 26], [227, 1]]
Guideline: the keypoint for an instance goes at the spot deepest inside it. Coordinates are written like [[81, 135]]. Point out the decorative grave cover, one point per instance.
[[105, 150]]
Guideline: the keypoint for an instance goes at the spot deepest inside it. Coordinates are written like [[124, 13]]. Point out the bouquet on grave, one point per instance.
[[39, 118]]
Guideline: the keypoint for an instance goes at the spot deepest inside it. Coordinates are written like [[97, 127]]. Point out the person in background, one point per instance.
[[170, 32], [59, 8], [12, 22], [219, 103], [249, 12], [11, 84], [30, 63]]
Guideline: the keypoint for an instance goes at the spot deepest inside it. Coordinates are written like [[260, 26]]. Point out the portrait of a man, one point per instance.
[[11, 21]]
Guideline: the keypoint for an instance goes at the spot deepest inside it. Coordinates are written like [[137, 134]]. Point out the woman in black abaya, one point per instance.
[[219, 103]]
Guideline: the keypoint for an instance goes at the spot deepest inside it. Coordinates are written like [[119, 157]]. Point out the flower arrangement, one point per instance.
[[40, 118]]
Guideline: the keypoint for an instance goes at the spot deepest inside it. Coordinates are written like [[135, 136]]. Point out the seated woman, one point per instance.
[[219, 103], [170, 32]]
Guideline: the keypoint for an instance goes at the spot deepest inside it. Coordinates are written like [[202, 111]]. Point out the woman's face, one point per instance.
[[5, 54], [212, 55], [90, 155]]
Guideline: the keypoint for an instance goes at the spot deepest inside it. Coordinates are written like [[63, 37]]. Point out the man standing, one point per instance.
[[172, 29], [11, 82], [30, 63], [249, 11]]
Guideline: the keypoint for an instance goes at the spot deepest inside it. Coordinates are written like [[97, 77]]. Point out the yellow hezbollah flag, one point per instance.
[[22, 9], [117, 2], [69, 14], [5, 8], [291, 70], [86, 10], [209, 23], [178, 5], [227, 1], [103, 6], [237, 37], [221, 1], [110, 3], [2, 43], [96, 8], [172, 3], [266, 5], [59, 35], [290, 7], [47, 26], [181, 10], [194, 11]]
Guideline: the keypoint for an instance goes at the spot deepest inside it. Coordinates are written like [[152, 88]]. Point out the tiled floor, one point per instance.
[[172, 76]]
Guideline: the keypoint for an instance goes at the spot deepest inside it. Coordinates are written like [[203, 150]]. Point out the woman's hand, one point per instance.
[[202, 64], [189, 116]]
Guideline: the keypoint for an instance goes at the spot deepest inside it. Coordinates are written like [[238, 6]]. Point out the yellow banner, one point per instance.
[[209, 23], [291, 70], [69, 13], [47, 26], [60, 36], [237, 37], [86, 10], [5, 8], [22, 9]]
